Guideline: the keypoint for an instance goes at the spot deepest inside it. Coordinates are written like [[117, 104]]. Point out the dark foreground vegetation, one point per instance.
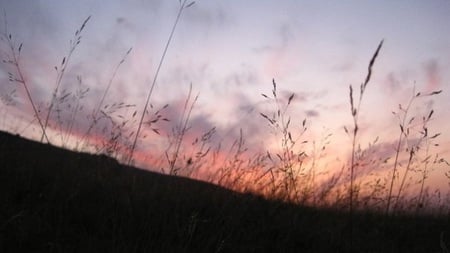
[[53, 200]]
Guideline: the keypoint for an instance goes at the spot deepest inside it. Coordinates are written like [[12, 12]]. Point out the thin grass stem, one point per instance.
[[150, 92]]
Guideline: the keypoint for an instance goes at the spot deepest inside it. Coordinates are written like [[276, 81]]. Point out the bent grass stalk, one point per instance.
[[404, 134], [60, 72], [425, 172], [80, 93], [15, 61], [182, 129], [290, 162], [428, 168], [102, 100], [150, 92], [397, 153], [397, 150], [415, 148]]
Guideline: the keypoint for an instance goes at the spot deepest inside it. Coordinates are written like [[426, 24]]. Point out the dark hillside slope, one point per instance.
[[54, 200]]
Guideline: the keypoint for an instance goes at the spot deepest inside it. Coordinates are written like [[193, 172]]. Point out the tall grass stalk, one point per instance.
[[181, 130], [97, 110], [414, 149], [424, 172], [355, 109], [14, 60], [290, 164], [62, 69], [183, 6], [315, 156], [397, 153], [79, 94], [404, 134]]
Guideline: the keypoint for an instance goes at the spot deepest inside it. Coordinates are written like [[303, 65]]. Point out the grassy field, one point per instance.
[[57, 200], [54, 200]]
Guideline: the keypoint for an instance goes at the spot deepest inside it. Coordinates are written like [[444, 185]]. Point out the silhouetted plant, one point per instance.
[[183, 6], [76, 99], [290, 160], [287, 173], [405, 124], [179, 131], [199, 154], [355, 110], [61, 71], [13, 59], [318, 152], [95, 117], [114, 124]]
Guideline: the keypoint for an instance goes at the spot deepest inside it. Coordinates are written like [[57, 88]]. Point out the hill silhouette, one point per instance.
[[55, 200]]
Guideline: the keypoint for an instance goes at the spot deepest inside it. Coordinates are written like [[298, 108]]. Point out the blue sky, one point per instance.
[[231, 50]]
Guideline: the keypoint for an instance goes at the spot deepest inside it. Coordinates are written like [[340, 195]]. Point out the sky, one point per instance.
[[230, 52]]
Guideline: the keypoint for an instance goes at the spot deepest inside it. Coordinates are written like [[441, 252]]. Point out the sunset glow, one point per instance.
[[234, 54]]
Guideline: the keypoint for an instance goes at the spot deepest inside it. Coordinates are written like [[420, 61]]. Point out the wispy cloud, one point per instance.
[[392, 82], [432, 70], [312, 113]]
